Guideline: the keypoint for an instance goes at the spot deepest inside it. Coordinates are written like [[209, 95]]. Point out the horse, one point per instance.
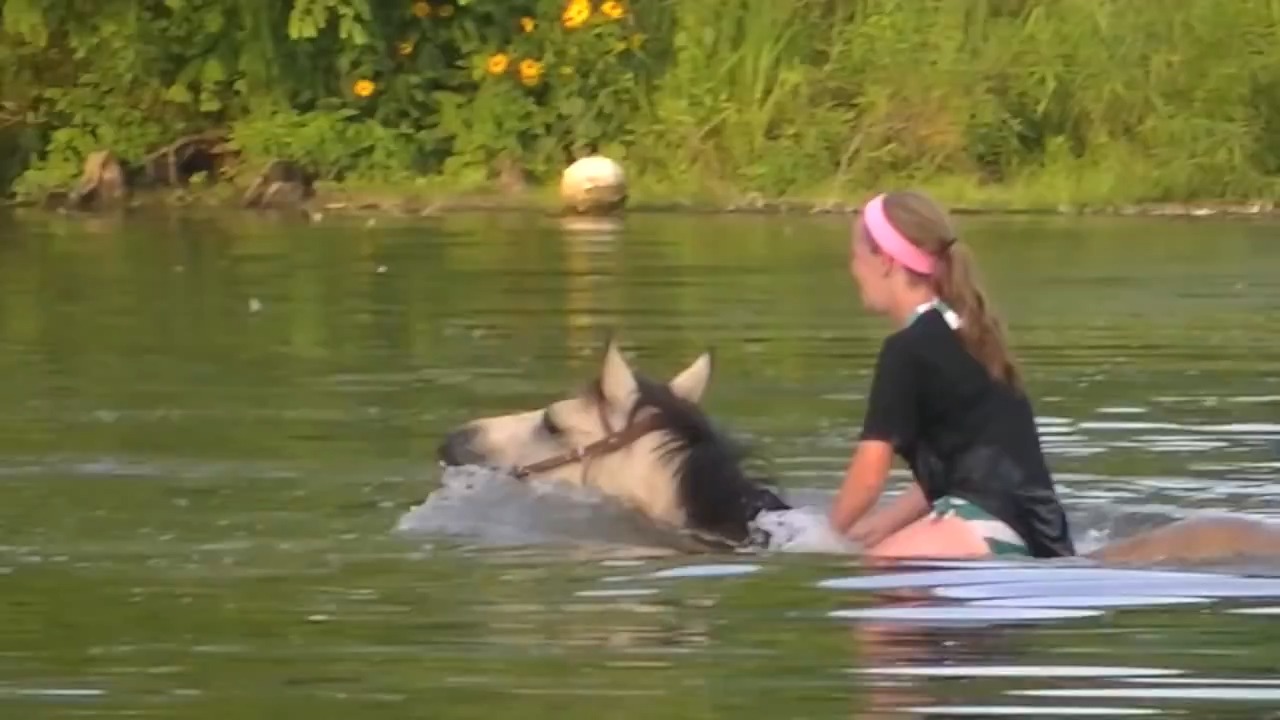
[[644, 443], [650, 446]]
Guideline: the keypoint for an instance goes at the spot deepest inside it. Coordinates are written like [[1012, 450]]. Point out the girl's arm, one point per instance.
[[908, 507], [890, 417], [863, 483]]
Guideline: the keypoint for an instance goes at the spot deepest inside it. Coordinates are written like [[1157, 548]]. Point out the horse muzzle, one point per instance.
[[458, 448]]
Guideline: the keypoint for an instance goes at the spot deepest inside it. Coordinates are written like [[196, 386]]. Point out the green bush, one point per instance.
[[1012, 101]]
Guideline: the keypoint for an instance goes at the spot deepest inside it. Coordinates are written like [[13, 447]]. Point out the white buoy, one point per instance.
[[593, 185]]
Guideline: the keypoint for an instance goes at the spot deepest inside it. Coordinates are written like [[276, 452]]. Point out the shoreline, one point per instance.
[[427, 202]]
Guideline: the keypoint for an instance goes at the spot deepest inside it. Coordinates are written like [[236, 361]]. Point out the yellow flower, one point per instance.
[[498, 63], [421, 9], [576, 14], [445, 10], [530, 71], [363, 88], [405, 47], [527, 24], [613, 9]]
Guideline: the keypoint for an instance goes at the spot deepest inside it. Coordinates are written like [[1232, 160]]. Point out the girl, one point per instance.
[[947, 398]]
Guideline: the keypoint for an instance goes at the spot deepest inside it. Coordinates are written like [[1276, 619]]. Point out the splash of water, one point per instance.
[[487, 506], [490, 507], [803, 529]]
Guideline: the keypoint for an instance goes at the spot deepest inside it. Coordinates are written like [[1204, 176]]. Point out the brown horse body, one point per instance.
[[1198, 539]]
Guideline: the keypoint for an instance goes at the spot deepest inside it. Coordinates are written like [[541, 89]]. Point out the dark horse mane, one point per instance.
[[718, 495]]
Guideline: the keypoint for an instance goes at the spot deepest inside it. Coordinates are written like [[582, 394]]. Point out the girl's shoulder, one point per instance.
[[929, 331], [930, 346]]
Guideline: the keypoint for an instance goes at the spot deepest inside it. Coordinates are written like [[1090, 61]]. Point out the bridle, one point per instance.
[[613, 441]]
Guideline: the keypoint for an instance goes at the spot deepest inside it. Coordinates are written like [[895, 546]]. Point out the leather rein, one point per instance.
[[613, 441]]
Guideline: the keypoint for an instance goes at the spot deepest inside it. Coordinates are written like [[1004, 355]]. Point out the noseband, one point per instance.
[[613, 441]]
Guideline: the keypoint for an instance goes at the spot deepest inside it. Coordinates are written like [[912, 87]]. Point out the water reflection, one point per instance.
[[913, 641]]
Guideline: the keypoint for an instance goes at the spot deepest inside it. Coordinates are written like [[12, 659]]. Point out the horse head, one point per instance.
[[644, 443]]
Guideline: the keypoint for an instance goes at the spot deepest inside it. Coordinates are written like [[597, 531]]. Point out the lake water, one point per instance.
[[211, 427]]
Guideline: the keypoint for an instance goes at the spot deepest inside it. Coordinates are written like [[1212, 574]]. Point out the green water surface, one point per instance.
[[209, 426]]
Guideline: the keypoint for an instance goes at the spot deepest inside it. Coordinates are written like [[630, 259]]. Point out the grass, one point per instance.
[[1000, 104]]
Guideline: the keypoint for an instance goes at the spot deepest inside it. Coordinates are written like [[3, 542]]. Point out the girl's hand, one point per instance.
[[908, 507], [869, 531]]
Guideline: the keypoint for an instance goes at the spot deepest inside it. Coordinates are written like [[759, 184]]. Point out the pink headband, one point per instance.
[[892, 242]]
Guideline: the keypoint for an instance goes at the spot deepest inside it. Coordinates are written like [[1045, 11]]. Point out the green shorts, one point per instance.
[[999, 536]]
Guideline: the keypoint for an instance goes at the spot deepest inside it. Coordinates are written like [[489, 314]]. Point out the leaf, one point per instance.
[[213, 71], [573, 106], [214, 22], [26, 19], [209, 102], [179, 94]]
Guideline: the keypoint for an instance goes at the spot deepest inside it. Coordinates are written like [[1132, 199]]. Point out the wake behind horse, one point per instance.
[[651, 447]]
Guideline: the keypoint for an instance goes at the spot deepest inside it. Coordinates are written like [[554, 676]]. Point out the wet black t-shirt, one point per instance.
[[963, 433]]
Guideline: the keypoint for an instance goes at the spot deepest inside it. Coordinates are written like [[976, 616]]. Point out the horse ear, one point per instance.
[[617, 381], [692, 382]]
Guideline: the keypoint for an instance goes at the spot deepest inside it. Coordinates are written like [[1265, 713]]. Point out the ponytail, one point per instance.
[[955, 280], [957, 284]]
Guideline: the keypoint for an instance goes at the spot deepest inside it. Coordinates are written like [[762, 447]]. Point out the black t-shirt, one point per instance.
[[963, 433]]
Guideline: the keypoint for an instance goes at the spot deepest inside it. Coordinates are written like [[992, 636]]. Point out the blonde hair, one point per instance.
[[955, 280]]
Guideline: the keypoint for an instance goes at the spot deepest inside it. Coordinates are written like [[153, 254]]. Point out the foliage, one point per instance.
[[336, 142], [1053, 102]]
